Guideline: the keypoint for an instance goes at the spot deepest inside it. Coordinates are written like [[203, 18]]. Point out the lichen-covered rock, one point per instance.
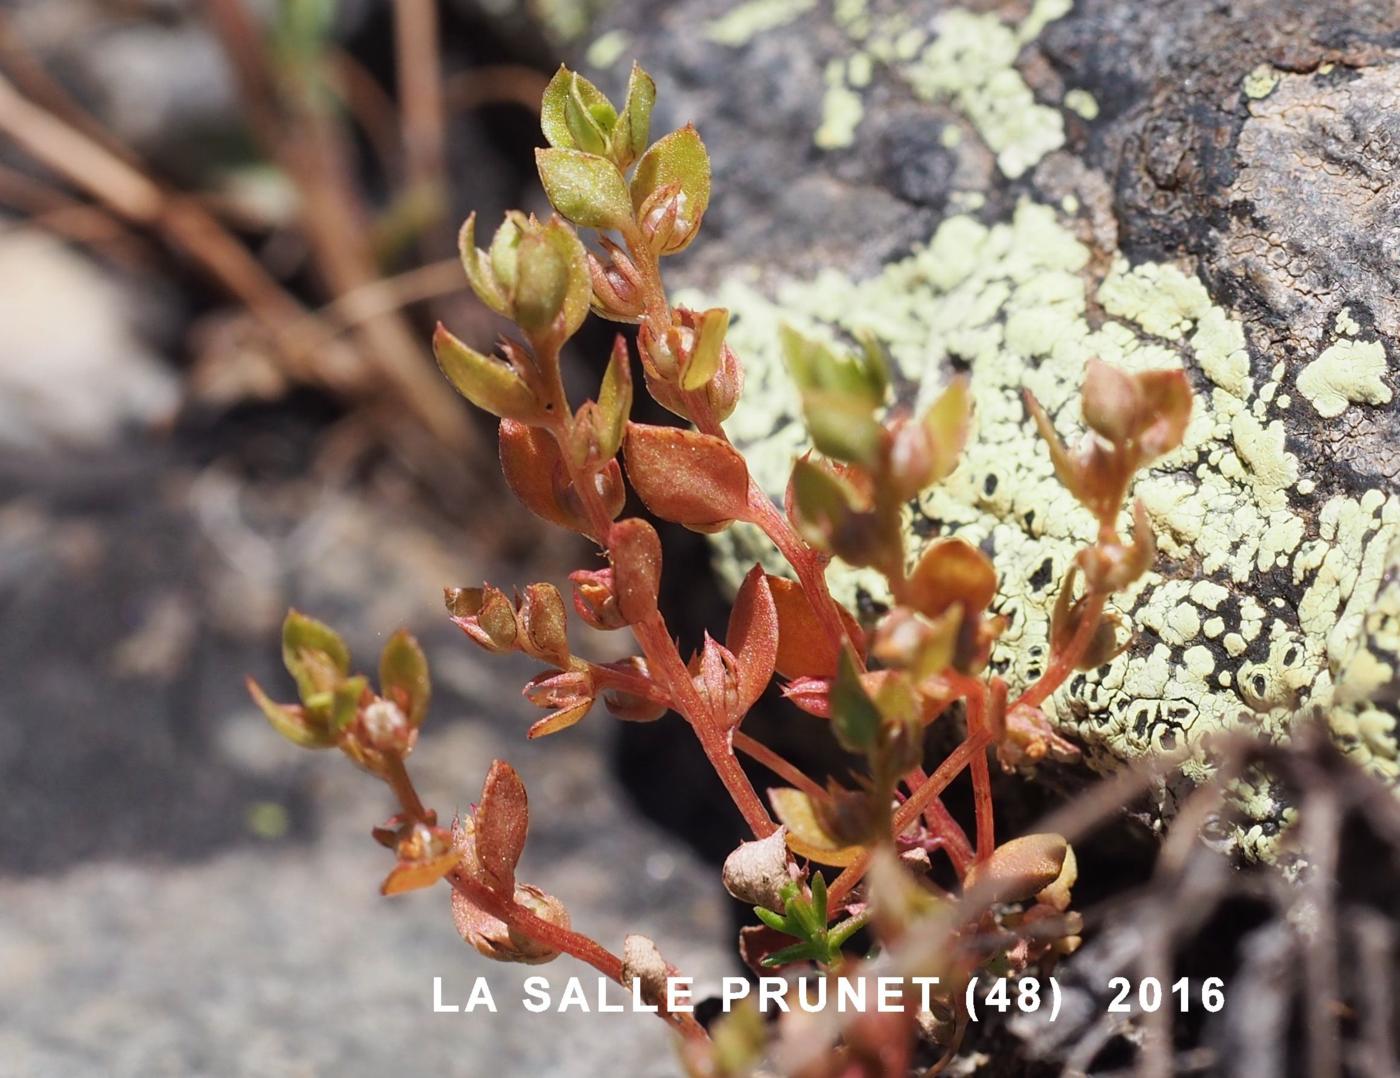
[[1012, 188]]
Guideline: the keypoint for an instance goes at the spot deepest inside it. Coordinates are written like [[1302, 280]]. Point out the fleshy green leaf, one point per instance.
[[345, 701], [679, 157], [488, 383], [840, 395], [855, 720], [614, 400], [313, 653], [578, 295], [290, 721], [629, 137], [480, 274], [403, 676], [542, 279], [815, 366], [569, 90], [588, 190], [505, 245], [708, 350]]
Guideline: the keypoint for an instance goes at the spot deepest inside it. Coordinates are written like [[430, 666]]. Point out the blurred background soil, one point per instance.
[[226, 229]]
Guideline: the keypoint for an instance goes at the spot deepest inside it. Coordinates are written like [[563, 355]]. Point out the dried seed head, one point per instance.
[[643, 965], [756, 872]]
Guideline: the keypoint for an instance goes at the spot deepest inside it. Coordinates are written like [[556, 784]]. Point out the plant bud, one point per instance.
[[542, 280], [636, 560], [952, 571], [671, 190], [567, 688], [629, 707], [615, 295], [426, 854], [660, 215], [725, 388], [659, 357], [1110, 401], [629, 137], [505, 248], [495, 940], [594, 599], [385, 728]]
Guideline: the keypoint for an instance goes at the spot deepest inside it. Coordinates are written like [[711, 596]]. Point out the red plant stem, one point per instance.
[[607, 677], [910, 811], [557, 938], [974, 692], [537, 928], [1063, 663], [806, 562], [664, 660], [396, 775], [940, 822], [777, 764], [515, 916]]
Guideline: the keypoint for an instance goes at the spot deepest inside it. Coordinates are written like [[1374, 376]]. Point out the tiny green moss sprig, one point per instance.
[[874, 688]]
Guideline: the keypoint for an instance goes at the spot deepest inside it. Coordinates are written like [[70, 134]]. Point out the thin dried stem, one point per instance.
[[419, 72]]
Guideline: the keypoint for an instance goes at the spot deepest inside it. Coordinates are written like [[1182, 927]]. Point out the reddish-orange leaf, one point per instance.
[[415, 875], [752, 637], [636, 557], [687, 477], [534, 470], [952, 571], [560, 720], [811, 694], [502, 819], [805, 649]]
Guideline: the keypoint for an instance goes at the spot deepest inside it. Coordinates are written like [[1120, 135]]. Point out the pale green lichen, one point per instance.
[[1011, 302], [1260, 82], [609, 48], [842, 110], [742, 24], [971, 62], [1082, 102], [1349, 372]]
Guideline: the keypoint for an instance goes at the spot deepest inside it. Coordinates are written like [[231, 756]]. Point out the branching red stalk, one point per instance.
[[941, 823], [806, 562], [775, 763], [809, 565], [1063, 663], [564, 940], [606, 677], [974, 693], [517, 917], [664, 660], [910, 811]]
